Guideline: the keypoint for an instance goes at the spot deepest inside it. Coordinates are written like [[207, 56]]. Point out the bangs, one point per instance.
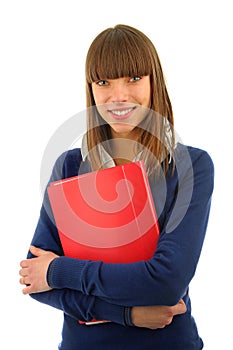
[[117, 53]]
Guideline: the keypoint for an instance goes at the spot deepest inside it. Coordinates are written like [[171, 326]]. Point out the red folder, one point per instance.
[[106, 215]]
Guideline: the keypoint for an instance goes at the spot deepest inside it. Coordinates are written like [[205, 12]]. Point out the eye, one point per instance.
[[102, 83], [134, 79]]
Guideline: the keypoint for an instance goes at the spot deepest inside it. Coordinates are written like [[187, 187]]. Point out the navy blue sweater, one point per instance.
[[84, 289]]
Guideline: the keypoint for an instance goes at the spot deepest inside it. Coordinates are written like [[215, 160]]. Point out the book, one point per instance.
[[106, 215]]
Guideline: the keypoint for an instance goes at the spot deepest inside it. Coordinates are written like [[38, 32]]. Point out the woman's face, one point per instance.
[[123, 103]]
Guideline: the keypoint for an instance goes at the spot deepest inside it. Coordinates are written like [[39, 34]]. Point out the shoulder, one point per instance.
[[196, 162], [73, 155], [68, 163], [195, 156]]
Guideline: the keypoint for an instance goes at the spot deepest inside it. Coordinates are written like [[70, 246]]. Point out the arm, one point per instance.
[[81, 307], [71, 302], [163, 279], [155, 317], [76, 304]]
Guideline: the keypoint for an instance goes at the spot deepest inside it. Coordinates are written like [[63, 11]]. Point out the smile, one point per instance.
[[121, 113]]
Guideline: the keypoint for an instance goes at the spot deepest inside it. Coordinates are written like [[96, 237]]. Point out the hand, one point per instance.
[[154, 317], [34, 271]]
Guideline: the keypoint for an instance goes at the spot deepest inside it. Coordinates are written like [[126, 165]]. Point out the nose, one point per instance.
[[119, 92]]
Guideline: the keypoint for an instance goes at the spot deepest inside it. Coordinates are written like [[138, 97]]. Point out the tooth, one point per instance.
[[120, 113]]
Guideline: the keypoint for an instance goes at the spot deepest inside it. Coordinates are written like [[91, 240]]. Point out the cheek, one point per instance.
[[103, 112], [149, 102], [98, 95], [144, 96], [148, 97], [147, 93], [98, 99]]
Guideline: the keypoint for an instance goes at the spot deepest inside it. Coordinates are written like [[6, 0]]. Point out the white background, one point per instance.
[[43, 49]]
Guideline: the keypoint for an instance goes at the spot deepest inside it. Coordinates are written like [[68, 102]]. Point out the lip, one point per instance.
[[121, 113]]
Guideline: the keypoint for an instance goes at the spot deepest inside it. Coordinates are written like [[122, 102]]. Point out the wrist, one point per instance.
[[50, 272], [128, 316], [59, 273]]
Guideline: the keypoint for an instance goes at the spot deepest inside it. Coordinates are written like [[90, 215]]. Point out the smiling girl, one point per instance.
[[129, 117]]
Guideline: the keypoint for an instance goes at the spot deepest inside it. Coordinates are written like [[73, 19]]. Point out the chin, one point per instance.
[[122, 128]]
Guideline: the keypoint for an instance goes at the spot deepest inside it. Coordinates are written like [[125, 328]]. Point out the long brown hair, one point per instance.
[[123, 51]]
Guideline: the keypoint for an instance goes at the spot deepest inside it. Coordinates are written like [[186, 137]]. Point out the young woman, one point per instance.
[[129, 117]]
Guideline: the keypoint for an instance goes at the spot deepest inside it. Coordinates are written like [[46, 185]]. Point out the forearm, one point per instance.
[[134, 284], [161, 281], [81, 307], [154, 317]]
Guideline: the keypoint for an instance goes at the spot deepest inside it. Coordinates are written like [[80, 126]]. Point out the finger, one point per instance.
[[23, 280], [27, 290], [23, 272], [179, 309], [24, 263], [37, 251], [182, 305]]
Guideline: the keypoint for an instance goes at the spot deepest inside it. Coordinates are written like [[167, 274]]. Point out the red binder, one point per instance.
[[106, 215]]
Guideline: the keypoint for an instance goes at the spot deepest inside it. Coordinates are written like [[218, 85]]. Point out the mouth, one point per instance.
[[121, 113]]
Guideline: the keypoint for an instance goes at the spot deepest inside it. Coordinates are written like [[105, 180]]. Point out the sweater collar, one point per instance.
[[105, 157]]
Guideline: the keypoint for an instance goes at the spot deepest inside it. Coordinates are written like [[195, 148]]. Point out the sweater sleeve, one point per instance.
[[81, 307], [72, 302], [164, 279]]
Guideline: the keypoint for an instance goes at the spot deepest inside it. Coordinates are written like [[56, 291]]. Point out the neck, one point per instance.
[[123, 150], [130, 135]]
